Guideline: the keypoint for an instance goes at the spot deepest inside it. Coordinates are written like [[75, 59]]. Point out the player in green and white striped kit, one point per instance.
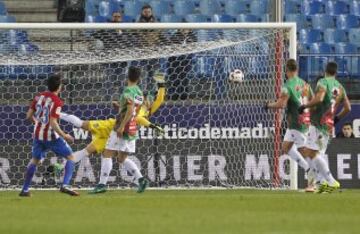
[[294, 93], [330, 94]]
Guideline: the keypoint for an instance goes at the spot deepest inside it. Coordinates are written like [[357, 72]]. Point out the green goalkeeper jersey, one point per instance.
[[322, 115], [299, 93], [134, 96]]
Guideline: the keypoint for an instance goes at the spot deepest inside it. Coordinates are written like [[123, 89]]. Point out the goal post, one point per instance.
[[216, 132]]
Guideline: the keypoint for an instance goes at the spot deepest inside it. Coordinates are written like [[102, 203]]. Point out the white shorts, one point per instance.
[[317, 140], [119, 144], [295, 136]]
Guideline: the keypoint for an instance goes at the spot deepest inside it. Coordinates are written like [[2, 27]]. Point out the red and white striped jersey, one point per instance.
[[46, 105]]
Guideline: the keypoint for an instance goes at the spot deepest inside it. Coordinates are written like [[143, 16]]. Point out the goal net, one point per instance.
[[218, 76]]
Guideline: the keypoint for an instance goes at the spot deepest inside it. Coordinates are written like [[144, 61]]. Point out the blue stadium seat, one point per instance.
[[301, 20], [347, 64], [222, 18], [321, 48], [313, 7], [160, 7], [354, 36], [183, 7], [265, 18], [117, 4], [304, 48], [91, 7], [337, 8], [171, 18], [7, 19], [259, 7], [247, 18], [335, 36], [104, 9], [132, 8], [197, 18], [346, 48], [355, 7], [3, 10], [100, 19], [27, 48], [322, 21], [235, 7], [292, 7], [209, 7], [89, 19], [16, 37], [347, 21], [310, 36], [128, 19]]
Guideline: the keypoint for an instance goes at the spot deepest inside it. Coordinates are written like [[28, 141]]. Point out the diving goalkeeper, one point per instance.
[[101, 129]]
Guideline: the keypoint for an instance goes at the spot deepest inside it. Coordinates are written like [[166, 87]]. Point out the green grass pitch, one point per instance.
[[188, 212]]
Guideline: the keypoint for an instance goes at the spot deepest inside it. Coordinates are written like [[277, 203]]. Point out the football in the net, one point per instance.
[[236, 76]]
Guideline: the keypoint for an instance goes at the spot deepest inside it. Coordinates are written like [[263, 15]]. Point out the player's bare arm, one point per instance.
[[125, 120], [319, 98], [345, 110], [55, 126], [281, 103], [30, 115]]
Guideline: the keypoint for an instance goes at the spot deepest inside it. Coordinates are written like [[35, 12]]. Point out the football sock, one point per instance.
[[106, 166], [78, 155], [298, 158], [323, 169], [30, 171], [69, 169], [319, 177], [131, 167], [74, 120]]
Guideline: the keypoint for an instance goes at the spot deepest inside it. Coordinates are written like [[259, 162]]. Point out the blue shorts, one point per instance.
[[58, 146]]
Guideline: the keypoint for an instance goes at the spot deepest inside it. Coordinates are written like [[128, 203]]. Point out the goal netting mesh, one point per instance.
[[216, 132]]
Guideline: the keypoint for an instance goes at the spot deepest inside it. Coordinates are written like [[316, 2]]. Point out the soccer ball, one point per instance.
[[236, 76]]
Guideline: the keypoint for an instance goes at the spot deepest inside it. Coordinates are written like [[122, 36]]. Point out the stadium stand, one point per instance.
[[329, 29], [324, 26], [234, 7], [183, 7]]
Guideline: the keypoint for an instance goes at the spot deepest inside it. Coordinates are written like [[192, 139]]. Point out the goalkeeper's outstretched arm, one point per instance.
[[160, 97]]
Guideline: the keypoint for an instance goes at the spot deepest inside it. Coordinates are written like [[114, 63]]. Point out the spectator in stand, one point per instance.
[[148, 38], [112, 38], [109, 40], [346, 131], [147, 15]]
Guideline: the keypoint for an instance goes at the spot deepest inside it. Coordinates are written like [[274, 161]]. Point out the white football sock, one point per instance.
[[323, 169], [297, 157], [318, 177], [74, 120], [106, 166], [78, 155], [131, 167]]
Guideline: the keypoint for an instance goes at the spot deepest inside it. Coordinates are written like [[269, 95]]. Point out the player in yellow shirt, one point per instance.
[[101, 129]]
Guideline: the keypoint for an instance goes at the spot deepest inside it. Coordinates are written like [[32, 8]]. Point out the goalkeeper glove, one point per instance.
[[336, 120], [160, 80], [157, 128], [301, 109]]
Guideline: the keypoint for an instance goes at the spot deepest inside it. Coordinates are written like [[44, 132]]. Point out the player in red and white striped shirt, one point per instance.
[[44, 111]]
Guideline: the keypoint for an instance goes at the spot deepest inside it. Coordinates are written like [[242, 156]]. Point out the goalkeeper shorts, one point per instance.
[[100, 131]]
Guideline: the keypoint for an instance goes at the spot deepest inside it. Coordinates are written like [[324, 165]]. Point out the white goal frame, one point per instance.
[[219, 26]]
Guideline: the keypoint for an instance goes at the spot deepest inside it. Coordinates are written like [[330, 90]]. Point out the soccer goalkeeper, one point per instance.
[[101, 129]]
